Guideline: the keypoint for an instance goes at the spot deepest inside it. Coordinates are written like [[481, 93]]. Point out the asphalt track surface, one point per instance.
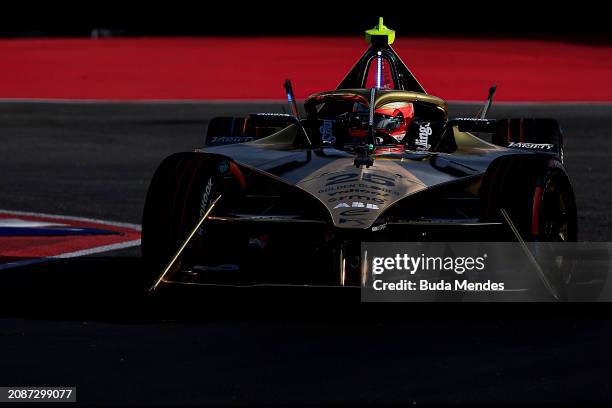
[[85, 322]]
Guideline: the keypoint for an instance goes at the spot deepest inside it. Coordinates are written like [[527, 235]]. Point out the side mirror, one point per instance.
[[474, 124]]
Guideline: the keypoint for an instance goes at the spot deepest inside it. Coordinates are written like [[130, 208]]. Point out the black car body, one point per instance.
[[277, 199]]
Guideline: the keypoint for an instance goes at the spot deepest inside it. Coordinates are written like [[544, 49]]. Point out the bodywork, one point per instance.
[[308, 204]]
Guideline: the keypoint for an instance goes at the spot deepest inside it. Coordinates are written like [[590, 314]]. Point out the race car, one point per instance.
[[287, 199]]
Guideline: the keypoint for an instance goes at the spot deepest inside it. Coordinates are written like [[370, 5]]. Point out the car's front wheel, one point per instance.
[[181, 191]]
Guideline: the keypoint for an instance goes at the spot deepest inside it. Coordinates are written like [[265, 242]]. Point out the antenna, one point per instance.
[[485, 110], [291, 98], [364, 152]]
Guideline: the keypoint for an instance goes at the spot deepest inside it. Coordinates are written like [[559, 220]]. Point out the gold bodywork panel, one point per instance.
[[356, 197]]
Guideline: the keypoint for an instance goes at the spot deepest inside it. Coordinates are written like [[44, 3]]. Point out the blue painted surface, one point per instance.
[[51, 232]]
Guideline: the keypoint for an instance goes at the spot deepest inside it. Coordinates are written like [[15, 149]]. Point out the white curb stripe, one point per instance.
[[70, 218], [83, 252], [74, 254]]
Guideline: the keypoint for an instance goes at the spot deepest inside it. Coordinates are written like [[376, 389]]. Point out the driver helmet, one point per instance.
[[393, 119]]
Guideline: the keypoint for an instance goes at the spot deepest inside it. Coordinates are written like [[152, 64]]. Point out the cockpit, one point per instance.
[[399, 118], [378, 103], [402, 113]]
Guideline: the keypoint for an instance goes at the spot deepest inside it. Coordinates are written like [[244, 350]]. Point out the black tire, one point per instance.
[[526, 187], [558, 217], [539, 199], [182, 188]]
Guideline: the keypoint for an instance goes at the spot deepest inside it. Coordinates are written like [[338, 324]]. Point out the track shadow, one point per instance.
[[113, 289], [97, 287]]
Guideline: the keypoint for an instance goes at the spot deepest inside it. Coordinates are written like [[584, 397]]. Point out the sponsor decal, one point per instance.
[[327, 132], [216, 268], [353, 216], [538, 146], [232, 139], [357, 191], [205, 201], [30, 238], [355, 222], [353, 197], [379, 227], [259, 242], [424, 132], [272, 115], [354, 177], [399, 137], [357, 204], [361, 187], [223, 167]]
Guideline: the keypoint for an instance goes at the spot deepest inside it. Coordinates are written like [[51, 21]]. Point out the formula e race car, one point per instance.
[[288, 198]]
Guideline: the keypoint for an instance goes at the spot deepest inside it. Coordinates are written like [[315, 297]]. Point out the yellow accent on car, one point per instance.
[[380, 30]]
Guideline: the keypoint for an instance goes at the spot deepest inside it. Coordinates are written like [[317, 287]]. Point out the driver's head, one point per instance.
[[393, 119]]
